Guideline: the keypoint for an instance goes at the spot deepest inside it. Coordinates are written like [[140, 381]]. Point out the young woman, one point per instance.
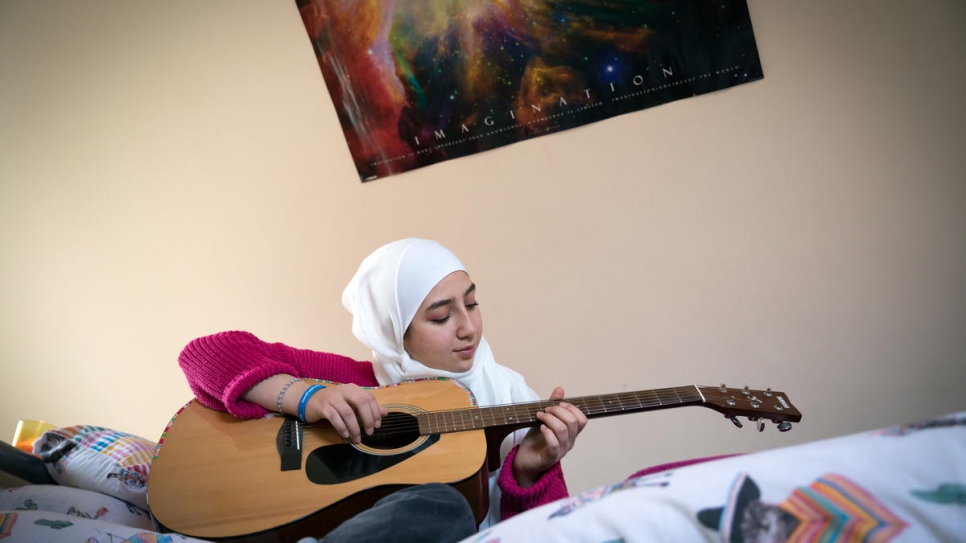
[[415, 306]]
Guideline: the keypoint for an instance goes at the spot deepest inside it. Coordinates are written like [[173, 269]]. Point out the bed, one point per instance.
[[85, 484], [905, 483]]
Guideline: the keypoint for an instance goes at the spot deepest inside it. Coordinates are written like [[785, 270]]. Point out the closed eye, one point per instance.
[[441, 320]]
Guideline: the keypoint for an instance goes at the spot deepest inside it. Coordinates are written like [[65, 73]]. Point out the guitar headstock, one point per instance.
[[757, 405]]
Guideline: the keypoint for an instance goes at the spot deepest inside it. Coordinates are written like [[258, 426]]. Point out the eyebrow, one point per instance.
[[448, 301]]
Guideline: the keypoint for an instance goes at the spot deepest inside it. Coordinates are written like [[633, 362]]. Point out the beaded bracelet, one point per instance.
[[305, 399], [278, 402]]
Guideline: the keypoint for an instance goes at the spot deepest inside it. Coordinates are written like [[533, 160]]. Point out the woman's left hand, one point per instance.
[[546, 444]]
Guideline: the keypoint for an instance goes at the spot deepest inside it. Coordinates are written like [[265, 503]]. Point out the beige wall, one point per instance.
[[171, 169]]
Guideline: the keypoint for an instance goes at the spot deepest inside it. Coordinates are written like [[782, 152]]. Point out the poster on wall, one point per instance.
[[418, 82]]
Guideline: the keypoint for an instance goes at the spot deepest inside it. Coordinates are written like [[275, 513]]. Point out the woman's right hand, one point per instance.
[[350, 408], [345, 407]]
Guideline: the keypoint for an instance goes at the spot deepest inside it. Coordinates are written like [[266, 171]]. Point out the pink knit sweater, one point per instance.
[[221, 367]]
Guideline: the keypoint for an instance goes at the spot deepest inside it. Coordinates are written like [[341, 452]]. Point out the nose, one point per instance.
[[467, 326]]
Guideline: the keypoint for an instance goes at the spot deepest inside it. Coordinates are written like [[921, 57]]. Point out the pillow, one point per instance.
[[60, 528], [75, 502], [99, 459]]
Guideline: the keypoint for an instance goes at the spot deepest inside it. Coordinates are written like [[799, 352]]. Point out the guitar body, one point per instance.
[[216, 476]]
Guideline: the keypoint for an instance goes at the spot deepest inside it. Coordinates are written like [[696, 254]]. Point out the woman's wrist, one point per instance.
[[525, 476], [270, 395], [281, 395], [290, 402], [304, 400]]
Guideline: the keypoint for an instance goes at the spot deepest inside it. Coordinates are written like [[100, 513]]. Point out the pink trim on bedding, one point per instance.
[[679, 464]]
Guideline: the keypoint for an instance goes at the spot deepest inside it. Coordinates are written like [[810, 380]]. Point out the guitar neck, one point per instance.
[[525, 414]]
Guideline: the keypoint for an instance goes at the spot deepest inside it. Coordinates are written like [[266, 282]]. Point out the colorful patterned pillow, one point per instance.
[[98, 459], [74, 502], [57, 527]]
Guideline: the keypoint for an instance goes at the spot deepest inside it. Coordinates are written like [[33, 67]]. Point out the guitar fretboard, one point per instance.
[[525, 414]]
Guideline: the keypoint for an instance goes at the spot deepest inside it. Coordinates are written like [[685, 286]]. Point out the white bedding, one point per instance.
[[899, 484]]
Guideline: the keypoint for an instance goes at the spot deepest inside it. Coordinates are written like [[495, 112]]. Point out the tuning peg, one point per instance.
[[760, 421], [735, 420], [784, 426]]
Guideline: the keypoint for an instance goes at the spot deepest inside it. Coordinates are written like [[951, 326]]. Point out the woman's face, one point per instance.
[[447, 327]]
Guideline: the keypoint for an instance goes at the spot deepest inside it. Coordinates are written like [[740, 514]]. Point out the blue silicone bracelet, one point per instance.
[[304, 400]]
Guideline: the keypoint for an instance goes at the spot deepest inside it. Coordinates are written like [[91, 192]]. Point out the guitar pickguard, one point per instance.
[[343, 462]]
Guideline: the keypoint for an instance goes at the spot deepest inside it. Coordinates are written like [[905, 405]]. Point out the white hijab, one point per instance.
[[383, 297]]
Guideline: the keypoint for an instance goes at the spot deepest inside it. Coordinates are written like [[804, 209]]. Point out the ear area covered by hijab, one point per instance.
[[383, 297]]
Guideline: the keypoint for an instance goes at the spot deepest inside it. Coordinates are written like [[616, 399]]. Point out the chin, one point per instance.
[[462, 366]]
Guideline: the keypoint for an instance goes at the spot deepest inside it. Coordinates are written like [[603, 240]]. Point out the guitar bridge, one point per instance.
[[288, 442]]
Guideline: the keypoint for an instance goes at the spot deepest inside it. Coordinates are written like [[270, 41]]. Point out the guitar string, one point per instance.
[[525, 413]]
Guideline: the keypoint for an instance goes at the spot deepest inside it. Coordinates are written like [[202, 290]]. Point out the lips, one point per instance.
[[467, 352]]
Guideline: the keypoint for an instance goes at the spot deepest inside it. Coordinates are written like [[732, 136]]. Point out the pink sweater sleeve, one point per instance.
[[515, 500], [221, 367]]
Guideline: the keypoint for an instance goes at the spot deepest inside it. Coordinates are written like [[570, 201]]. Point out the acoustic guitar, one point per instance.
[[216, 476]]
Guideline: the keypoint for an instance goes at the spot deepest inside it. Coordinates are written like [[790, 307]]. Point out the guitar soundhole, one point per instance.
[[396, 431], [344, 462]]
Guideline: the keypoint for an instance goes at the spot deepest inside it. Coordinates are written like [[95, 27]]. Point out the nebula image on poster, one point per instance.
[[418, 82]]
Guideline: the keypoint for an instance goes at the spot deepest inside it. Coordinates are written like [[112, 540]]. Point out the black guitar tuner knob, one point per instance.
[[784, 426]]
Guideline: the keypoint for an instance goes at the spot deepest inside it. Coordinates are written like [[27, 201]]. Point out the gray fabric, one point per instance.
[[430, 513]]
